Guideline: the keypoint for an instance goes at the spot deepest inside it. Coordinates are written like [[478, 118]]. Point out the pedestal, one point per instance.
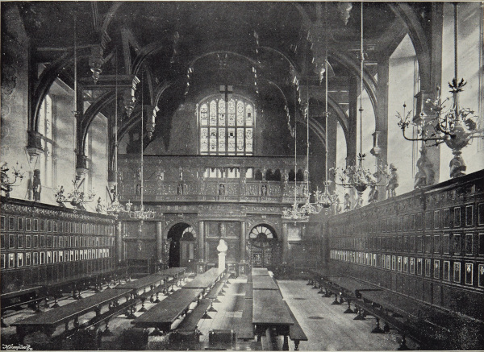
[[221, 262]]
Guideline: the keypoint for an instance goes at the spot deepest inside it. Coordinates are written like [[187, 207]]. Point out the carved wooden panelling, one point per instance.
[[432, 238]]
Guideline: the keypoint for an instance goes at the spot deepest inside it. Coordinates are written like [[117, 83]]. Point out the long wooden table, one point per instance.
[[205, 280], [269, 310], [264, 283], [152, 280], [164, 314], [260, 271], [48, 321]]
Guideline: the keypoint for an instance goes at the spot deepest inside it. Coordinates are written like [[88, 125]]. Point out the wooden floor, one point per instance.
[[326, 326]]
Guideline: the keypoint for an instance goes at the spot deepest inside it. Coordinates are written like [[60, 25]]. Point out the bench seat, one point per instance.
[[215, 290], [190, 323], [296, 333]]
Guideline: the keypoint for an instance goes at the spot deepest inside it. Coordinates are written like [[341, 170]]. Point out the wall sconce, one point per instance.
[[10, 178]]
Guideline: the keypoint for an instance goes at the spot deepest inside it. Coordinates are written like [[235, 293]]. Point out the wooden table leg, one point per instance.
[[285, 345]]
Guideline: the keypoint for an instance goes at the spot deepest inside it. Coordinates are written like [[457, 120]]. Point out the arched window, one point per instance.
[[226, 127], [262, 236]]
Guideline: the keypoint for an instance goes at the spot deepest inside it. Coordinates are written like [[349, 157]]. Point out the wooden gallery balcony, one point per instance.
[[213, 179]]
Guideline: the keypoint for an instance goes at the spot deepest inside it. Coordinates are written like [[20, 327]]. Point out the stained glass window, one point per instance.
[[226, 127]]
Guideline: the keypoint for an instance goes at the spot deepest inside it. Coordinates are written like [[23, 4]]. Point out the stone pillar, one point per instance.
[[201, 241], [380, 150], [242, 241], [284, 244], [243, 254], [159, 242]]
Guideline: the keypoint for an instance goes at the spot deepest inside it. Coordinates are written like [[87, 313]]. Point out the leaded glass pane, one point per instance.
[[213, 140], [249, 118], [213, 113], [204, 139], [240, 113], [240, 140], [231, 140], [248, 140], [221, 140], [221, 112], [204, 115], [226, 127], [231, 112]]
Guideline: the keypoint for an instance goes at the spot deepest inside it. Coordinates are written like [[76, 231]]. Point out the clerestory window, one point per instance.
[[226, 127]]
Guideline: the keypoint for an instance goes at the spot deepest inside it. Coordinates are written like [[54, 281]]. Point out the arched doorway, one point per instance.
[[263, 247], [183, 248]]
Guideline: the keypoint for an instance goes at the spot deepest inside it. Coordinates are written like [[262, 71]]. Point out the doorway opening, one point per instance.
[[183, 247]]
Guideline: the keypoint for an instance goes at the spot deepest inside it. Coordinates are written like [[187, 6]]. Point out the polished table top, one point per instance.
[[151, 279], [168, 310], [260, 271], [71, 310], [143, 282], [264, 283], [204, 280], [173, 271], [270, 309]]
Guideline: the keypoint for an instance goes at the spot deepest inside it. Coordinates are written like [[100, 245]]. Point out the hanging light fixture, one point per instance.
[[295, 213], [454, 126], [115, 207], [325, 199], [356, 176], [308, 207], [141, 214]]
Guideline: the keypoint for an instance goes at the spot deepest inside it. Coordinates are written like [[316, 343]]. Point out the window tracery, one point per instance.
[[226, 127]]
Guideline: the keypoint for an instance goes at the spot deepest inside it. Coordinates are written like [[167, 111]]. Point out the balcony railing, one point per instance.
[[183, 179]]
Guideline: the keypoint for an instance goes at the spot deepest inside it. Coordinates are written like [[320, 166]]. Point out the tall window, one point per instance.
[[46, 164], [226, 127]]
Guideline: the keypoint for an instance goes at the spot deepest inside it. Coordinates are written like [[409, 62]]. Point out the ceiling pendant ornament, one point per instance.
[[129, 97], [345, 11], [189, 75], [96, 61], [455, 126]]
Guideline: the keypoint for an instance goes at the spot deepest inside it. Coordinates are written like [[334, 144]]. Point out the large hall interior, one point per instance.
[[230, 175]]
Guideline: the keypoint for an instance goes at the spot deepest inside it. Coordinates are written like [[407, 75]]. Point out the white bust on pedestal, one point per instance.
[[222, 248]]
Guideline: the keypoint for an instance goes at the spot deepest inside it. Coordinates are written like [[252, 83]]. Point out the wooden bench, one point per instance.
[[407, 316], [190, 323], [347, 288], [296, 333], [164, 314], [50, 320], [249, 293]]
